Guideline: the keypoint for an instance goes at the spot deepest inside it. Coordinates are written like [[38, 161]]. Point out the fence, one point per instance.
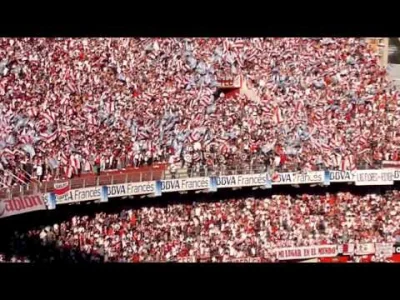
[[155, 173], [158, 172]]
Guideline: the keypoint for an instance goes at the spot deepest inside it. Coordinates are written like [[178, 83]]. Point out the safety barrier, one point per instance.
[[156, 172], [87, 180]]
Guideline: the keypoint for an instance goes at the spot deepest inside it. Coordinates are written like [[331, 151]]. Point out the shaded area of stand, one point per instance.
[[36, 251]]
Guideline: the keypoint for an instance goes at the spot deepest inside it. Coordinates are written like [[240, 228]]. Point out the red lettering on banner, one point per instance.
[[37, 200], [26, 202], [29, 202], [10, 205], [323, 251], [18, 204], [306, 252], [21, 205]]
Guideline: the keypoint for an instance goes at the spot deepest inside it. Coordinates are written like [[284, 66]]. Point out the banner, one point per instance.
[[365, 249], [132, 189], [21, 205], [115, 190], [61, 188], [63, 193], [231, 181], [384, 249], [374, 177], [187, 259], [78, 195], [187, 184], [298, 178], [342, 176], [306, 252]]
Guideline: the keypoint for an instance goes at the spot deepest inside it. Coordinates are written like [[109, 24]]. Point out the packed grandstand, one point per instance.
[[84, 120]]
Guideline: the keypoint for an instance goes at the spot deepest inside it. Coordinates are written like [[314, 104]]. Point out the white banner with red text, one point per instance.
[[297, 253], [21, 205]]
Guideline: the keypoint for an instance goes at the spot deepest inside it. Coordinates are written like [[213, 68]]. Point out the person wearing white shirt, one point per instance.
[[102, 163], [39, 172]]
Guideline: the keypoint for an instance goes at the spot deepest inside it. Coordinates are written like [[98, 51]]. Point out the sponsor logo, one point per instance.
[[117, 190], [341, 176], [173, 185], [298, 178], [242, 180], [148, 187]]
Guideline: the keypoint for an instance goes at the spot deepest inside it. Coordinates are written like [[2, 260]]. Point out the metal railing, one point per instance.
[[156, 173], [84, 182]]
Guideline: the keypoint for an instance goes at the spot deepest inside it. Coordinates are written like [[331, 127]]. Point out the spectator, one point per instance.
[[241, 228], [305, 103], [39, 172]]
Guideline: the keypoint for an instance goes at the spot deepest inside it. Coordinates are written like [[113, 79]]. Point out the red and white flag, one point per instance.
[[63, 159], [74, 163], [48, 138], [110, 107], [239, 44], [92, 120], [49, 117], [70, 171], [61, 188], [277, 117], [32, 111]]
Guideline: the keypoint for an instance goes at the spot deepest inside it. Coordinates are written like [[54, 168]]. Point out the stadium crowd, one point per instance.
[[70, 105], [249, 228]]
